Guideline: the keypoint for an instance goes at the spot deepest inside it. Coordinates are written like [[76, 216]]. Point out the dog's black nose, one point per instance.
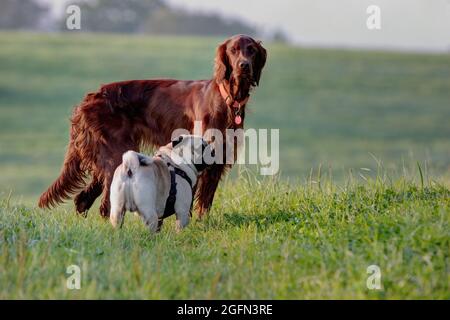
[[244, 65]]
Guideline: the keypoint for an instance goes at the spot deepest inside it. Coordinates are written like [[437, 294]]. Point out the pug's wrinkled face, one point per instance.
[[192, 150]]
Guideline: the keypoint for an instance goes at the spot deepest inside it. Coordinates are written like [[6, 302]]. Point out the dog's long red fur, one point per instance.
[[123, 116]]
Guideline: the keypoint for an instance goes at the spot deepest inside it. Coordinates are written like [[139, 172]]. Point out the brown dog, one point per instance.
[[123, 116]]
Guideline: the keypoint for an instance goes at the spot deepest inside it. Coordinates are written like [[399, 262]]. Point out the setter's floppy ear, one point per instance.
[[260, 61], [222, 68]]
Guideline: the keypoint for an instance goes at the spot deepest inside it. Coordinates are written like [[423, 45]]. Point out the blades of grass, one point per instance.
[[319, 176], [421, 174]]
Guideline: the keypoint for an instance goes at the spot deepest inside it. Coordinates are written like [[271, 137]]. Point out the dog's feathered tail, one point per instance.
[[131, 161], [69, 181]]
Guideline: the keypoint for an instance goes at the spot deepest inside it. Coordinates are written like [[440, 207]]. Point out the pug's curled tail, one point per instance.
[[132, 161]]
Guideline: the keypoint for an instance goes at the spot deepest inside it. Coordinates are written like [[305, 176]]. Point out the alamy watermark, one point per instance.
[[74, 280], [373, 21], [374, 280], [250, 146], [73, 20]]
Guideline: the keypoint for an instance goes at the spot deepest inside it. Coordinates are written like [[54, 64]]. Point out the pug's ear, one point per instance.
[[177, 141]]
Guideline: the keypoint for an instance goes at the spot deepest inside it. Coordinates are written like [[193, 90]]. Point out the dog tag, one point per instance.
[[238, 119]]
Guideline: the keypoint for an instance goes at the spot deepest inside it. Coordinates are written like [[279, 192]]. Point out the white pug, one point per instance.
[[157, 187]]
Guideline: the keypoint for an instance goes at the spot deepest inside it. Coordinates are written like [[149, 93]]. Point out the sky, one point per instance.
[[411, 25]]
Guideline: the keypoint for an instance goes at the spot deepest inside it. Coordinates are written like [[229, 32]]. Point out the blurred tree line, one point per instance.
[[122, 16], [22, 14], [152, 16]]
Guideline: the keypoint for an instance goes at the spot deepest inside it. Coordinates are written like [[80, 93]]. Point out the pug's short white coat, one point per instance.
[[142, 183]]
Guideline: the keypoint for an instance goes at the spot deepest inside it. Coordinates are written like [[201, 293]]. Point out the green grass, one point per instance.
[[362, 120], [332, 107], [263, 240]]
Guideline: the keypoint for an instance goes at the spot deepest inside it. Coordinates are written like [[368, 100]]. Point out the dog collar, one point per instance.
[[234, 104]]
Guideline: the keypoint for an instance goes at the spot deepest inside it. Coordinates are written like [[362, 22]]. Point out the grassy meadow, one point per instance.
[[364, 159], [262, 240], [338, 109]]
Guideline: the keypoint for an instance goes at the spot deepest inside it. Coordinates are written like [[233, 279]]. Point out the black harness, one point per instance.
[[170, 202]]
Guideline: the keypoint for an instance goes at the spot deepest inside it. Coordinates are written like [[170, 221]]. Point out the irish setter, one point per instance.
[[125, 115]]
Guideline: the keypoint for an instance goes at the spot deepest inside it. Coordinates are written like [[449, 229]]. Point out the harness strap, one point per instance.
[[170, 202], [182, 174]]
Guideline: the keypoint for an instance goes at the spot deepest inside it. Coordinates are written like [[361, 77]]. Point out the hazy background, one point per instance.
[[363, 118], [419, 25], [406, 24], [343, 101]]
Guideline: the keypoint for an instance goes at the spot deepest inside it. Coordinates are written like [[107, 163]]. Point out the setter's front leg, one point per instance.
[[206, 187]]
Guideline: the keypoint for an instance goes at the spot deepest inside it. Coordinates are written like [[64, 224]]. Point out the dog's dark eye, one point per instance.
[[251, 50], [233, 50]]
